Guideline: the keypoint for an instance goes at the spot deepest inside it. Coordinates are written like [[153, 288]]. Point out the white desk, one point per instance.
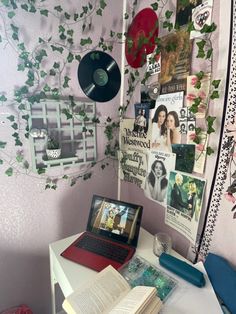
[[70, 276]]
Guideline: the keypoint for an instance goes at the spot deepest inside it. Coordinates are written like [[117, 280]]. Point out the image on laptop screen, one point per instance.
[[116, 219]]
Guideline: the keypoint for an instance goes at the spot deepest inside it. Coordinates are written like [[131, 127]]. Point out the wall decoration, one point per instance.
[[201, 15], [184, 11], [201, 150], [176, 51], [199, 92], [141, 121], [99, 76], [185, 157], [184, 203], [159, 166], [133, 140], [133, 167], [141, 36]]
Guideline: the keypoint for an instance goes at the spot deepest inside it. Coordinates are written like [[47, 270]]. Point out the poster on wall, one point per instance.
[[184, 203], [165, 121], [133, 167], [184, 10], [176, 51], [133, 140], [200, 150], [201, 92], [141, 121], [159, 166]]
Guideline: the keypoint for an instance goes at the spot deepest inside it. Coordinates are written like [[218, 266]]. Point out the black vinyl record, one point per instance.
[[99, 76]]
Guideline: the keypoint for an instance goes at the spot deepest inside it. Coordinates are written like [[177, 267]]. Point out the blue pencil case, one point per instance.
[[182, 269]]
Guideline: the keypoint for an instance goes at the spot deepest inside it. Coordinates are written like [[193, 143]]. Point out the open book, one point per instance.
[[110, 293]]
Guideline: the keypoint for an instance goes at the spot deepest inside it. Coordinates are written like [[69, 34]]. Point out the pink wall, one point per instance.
[[31, 217]]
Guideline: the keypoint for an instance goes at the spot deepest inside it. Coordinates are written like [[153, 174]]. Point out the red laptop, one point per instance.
[[111, 236]]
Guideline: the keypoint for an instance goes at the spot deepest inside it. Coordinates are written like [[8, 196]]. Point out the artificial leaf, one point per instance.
[[216, 83], [67, 113], [41, 170], [3, 144], [215, 94], [44, 12], [209, 151], [11, 118], [9, 172]]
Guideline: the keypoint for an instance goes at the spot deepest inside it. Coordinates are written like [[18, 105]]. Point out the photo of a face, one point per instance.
[[158, 169], [170, 122], [161, 117]]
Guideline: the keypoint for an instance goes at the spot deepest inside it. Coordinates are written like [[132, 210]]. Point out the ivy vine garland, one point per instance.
[[49, 79]]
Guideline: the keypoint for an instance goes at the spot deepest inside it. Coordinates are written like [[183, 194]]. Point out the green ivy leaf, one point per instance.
[[99, 12], [14, 126], [43, 74], [59, 49], [9, 172], [11, 118], [67, 15], [3, 144], [65, 177], [41, 170], [209, 151], [1, 161], [85, 41], [56, 65], [11, 14], [154, 6], [25, 7], [44, 12], [58, 8], [46, 88], [78, 57], [67, 113], [87, 176], [52, 72], [61, 29], [72, 182], [18, 142], [208, 28], [209, 53], [19, 158], [215, 83], [168, 14], [215, 94], [32, 9], [66, 81], [25, 117], [76, 16], [3, 98], [70, 57]]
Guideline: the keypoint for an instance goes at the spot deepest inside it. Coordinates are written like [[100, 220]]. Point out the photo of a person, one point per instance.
[[183, 129], [173, 132], [192, 198], [176, 198], [159, 127], [140, 122], [182, 113], [157, 181], [191, 127]]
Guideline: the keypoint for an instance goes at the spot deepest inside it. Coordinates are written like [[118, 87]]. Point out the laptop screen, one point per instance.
[[115, 219]]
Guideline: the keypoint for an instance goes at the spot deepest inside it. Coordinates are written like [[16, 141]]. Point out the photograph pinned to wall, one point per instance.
[[176, 50], [200, 150], [201, 15], [132, 140], [133, 167], [151, 89], [191, 126], [184, 203], [159, 166], [141, 121], [165, 122], [201, 93], [185, 157], [184, 11]]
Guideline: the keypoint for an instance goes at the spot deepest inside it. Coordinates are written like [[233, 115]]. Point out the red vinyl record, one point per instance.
[[140, 39]]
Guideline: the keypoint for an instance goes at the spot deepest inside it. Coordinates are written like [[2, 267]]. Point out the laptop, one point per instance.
[[111, 235]]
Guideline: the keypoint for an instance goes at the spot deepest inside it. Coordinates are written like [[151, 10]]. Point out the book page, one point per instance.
[[100, 295], [135, 301]]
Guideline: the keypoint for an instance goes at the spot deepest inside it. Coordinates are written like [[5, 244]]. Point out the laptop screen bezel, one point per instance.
[[110, 235]]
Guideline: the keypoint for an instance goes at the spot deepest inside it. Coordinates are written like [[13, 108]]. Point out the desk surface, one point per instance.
[[185, 299]]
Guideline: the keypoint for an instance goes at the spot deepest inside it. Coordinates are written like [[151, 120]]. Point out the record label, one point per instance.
[[141, 35], [99, 76]]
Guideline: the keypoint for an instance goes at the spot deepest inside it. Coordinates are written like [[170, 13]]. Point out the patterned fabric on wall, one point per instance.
[[220, 229]]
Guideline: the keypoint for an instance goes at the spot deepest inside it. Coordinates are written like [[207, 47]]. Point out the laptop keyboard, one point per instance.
[[104, 248]]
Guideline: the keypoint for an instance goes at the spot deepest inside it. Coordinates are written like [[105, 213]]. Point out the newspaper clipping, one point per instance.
[[159, 166], [184, 202], [133, 167]]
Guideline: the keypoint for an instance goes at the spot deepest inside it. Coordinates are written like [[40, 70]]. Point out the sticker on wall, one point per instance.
[[99, 76], [201, 15]]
